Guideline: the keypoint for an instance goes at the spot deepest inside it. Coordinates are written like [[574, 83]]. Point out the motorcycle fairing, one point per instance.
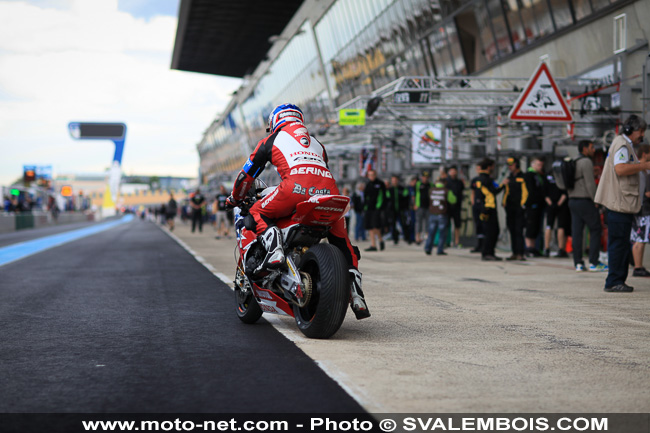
[[269, 302], [321, 210]]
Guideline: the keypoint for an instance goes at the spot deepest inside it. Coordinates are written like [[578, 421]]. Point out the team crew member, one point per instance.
[[485, 197], [421, 206], [619, 191], [374, 204], [476, 212], [301, 162], [514, 201], [584, 211], [536, 186], [398, 206], [456, 186], [557, 208], [440, 197], [197, 202]]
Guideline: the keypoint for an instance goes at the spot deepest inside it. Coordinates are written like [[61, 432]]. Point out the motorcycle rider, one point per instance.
[[301, 162]]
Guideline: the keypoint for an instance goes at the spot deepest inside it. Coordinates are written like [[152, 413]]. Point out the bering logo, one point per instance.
[[311, 170]]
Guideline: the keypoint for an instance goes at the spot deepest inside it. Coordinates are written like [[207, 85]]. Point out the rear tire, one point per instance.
[[324, 314], [248, 310]]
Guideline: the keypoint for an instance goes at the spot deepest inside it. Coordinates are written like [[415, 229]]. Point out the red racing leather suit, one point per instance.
[[301, 162]]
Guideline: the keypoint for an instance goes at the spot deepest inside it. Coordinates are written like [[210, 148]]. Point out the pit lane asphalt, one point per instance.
[[127, 321], [31, 234]]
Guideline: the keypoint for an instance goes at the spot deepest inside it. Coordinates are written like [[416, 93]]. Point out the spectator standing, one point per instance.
[[584, 211], [641, 224], [163, 214], [421, 206], [410, 218], [172, 209], [374, 203], [619, 191], [457, 187], [197, 202], [397, 205], [485, 195], [476, 212], [514, 201], [357, 205], [440, 197], [221, 213], [557, 208], [535, 204]]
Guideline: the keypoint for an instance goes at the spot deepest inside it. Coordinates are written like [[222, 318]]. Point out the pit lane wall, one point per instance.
[[14, 222]]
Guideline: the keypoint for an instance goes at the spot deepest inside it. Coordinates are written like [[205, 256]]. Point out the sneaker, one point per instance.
[[532, 252], [371, 249], [512, 257], [580, 267], [428, 253], [547, 253], [475, 250], [382, 245], [640, 272], [562, 254], [491, 258], [598, 268], [619, 288], [441, 253]]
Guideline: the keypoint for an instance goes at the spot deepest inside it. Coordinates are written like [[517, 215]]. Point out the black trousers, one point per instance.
[[584, 212], [491, 230], [619, 226], [197, 216], [401, 217], [478, 227], [515, 220]]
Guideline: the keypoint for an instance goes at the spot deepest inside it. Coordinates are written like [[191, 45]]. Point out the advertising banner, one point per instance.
[[426, 143]]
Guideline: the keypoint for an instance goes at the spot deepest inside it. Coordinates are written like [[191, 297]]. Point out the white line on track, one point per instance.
[[281, 326]]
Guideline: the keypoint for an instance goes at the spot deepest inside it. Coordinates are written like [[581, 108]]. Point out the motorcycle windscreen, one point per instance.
[[322, 210]]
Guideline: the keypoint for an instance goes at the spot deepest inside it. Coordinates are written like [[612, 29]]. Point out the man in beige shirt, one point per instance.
[[619, 192]]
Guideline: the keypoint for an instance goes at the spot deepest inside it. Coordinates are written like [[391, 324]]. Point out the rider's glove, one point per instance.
[[231, 202]]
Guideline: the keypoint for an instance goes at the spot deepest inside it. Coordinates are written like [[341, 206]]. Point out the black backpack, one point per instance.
[[564, 172]]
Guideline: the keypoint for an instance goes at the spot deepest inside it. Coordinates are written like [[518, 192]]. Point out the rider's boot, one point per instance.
[[357, 303], [272, 242]]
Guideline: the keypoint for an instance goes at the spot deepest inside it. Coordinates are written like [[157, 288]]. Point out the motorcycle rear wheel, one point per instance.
[[324, 313], [248, 310]]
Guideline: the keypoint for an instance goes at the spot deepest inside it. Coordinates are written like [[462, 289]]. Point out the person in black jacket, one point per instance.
[[374, 205], [171, 210], [397, 204], [485, 194], [535, 205], [514, 201], [456, 186]]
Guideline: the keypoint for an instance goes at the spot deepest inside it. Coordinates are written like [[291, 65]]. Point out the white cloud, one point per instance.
[[92, 62]]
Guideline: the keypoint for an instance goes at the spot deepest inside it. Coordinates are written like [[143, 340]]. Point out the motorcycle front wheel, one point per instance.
[[248, 310], [324, 313]]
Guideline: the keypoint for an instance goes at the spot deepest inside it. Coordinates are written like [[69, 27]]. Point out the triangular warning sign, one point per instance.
[[541, 101]]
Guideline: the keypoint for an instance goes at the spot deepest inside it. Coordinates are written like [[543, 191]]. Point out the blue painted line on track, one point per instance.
[[21, 250]]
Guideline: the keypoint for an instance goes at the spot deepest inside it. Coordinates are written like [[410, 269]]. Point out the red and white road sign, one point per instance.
[[541, 101]]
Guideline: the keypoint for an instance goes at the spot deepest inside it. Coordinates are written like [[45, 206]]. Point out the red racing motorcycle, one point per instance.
[[313, 284]]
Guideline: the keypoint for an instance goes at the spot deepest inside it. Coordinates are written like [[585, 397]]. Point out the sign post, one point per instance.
[[541, 101], [116, 132]]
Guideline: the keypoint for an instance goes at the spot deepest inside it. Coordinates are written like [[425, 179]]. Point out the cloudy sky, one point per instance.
[[102, 61]]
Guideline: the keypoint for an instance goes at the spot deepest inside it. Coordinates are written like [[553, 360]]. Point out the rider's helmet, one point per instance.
[[282, 114]]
